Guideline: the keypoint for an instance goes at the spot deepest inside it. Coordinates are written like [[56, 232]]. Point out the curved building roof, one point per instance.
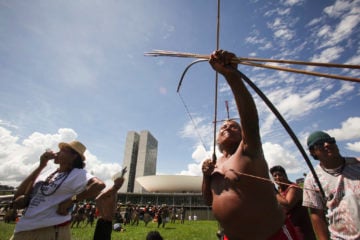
[[170, 183]]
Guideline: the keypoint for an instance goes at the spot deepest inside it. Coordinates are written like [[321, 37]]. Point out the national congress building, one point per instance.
[[142, 185], [139, 158]]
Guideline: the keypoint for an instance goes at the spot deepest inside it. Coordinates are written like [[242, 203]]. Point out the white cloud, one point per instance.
[[197, 130], [193, 170], [168, 30], [276, 154], [338, 97], [277, 22], [278, 11], [255, 39], [285, 34], [338, 8], [328, 55], [200, 154], [281, 28], [7, 124], [19, 158], [353, 146], [267, 45], [293, 2], [350, 18], [224, 88], [344, 29], [295, 104], [350, 129], [354, 60], [324, 31], [290, 104], [315, 21]]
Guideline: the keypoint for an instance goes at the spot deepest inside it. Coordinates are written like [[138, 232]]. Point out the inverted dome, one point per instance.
[[170, 183]]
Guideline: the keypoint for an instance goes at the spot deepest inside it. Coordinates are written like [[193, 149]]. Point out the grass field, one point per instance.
[[192, 230]]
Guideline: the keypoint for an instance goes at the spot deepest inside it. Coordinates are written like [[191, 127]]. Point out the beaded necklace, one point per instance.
[[44, 186]]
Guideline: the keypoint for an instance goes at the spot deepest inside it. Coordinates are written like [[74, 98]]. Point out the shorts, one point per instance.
[[103, 230], [286, 232], [60, 232]]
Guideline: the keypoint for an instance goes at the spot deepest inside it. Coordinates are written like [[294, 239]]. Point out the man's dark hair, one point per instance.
[[78, 161], [278, 168], [154, 235]]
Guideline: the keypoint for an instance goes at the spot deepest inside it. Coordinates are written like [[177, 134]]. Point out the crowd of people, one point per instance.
[[244, 200]]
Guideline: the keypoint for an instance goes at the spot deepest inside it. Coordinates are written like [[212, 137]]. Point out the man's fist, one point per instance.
[[208, 167]]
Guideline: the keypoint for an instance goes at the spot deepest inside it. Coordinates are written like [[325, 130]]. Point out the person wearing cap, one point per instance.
[[48, 198], [337, 216], [245, 206], [290, 195]]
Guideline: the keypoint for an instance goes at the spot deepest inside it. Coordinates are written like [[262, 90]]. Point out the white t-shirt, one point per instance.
[[41, 211], [343, 203]]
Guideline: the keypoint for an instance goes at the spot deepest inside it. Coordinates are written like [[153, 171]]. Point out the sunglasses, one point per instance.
[[320, 144]]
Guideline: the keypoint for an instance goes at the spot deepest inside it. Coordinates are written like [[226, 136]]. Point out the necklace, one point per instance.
[[55, 184], [335, 171]]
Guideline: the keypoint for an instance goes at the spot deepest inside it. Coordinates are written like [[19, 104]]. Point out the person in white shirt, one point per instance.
[[338, 215], [48, 198]]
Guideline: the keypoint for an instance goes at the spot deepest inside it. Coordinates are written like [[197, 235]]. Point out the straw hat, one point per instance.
[[76, 146]]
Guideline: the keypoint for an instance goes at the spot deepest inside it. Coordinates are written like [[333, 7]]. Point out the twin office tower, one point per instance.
[[139, 158]]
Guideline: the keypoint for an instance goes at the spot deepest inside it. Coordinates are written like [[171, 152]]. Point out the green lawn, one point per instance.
[[194, 230]]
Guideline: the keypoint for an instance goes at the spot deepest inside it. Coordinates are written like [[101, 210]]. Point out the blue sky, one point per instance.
[[76, 69]]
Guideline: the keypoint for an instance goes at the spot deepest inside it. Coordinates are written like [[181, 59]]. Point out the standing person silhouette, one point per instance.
[[246, 208]]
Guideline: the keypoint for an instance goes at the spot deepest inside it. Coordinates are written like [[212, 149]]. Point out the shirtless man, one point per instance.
[[106, 204], [245, 207]]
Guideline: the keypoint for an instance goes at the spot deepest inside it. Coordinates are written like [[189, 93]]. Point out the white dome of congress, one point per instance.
[[170, 183]]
